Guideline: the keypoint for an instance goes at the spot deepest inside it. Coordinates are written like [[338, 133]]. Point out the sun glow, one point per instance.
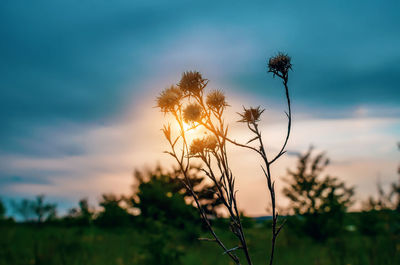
[[193, 131], [186, 127]]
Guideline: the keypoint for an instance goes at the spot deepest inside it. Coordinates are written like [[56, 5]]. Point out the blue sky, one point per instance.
[[78, 80]]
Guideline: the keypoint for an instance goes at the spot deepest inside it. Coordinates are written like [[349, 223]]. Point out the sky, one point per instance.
[[79, 80]]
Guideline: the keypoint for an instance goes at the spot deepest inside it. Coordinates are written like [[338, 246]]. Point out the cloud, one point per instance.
[[80, 64], [78, 82], [12, 180], [361, 149]]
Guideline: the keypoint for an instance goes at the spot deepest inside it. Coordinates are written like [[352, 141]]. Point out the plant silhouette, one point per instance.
[[191, 106]]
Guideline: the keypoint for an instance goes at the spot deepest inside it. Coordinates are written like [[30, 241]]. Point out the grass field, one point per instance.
[[23, 245]]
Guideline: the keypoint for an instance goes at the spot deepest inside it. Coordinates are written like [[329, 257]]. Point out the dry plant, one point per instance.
[[190, 108]]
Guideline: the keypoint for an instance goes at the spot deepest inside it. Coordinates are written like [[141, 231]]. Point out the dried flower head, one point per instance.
[[211, 142], [169, 99], [279, 65], [192, 113], [197, 146], [201, 145], [216, 100], [251, 115], [192, 83]]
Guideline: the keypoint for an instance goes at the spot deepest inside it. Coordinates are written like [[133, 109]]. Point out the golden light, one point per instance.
[[193, 131], [186, 127]]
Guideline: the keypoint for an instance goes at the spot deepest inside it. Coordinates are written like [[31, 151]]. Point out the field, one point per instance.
[[29, 244]]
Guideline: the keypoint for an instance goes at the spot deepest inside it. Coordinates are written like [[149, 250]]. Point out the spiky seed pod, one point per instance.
[[251, 115], [211, 142], [192, 113], [169, 99], [216, 100], [197, 146], [192, 83], [201, 145], [280, 64]]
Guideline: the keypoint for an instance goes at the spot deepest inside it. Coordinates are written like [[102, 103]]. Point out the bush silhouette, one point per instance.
[[2, 210], [113, 214], [80, 216], [160, 197], [386, 200], [35, 210], [319, 202], [381, 213]]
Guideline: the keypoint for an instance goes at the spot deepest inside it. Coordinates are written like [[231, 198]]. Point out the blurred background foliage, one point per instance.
[[158, 224], [319, 203]]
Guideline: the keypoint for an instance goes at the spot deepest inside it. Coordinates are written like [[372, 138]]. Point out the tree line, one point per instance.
[[318, 203]]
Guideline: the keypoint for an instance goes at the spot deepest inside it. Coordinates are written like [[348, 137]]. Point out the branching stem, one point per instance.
[[209, 114]]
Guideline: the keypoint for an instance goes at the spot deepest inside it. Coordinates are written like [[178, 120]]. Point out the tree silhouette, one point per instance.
[[173, 183], [43, 210], [389, 200], [160, 196], [2, 210], [82, 215], [23, 209], [321, 200], [113, 214], [37, 209]]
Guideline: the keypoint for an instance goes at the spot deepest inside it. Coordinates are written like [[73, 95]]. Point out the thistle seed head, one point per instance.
[[216, 100], [192, 83], [280, 64], [197, 146], [211, 142], [169, 99], [201, 145], [192, 113], [251, 115]]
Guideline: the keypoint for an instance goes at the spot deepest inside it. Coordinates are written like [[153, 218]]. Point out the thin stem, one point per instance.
[[289, 115], [203, 215], [225, 172], [212, 120], [267, 173]]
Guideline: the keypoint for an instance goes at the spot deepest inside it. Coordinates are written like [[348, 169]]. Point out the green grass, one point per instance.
[[21, 244]]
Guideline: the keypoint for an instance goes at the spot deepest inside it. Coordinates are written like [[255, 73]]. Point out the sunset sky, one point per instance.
[[79, 80]]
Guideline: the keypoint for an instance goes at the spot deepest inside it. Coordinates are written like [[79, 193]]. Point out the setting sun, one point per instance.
[[194, 131]]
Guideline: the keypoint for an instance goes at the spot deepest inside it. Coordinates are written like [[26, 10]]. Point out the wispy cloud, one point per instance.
[[361, 150], [78, 83]]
